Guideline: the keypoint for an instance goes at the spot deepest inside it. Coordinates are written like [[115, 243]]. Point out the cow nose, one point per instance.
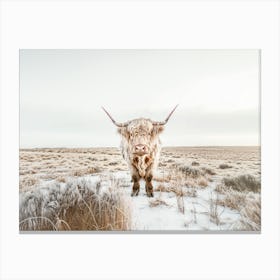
[[140, 148]]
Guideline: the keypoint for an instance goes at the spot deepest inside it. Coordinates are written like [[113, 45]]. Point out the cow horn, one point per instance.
[[117, 124], [166, 120]]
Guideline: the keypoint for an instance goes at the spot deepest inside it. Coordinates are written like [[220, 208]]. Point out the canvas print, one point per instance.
[[139, 141]]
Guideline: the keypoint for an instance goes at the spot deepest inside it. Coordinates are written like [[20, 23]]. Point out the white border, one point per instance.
[[146, 24]]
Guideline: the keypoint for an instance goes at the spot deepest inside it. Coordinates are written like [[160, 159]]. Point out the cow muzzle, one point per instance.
[[140, 149]]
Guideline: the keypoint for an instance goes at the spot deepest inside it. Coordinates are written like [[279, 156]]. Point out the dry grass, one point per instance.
[[243, 183], [187, 176], [251, 215], [164, 179], [233, 199], [177, 190], [157, 202], [61, 179], [202, 182], [162, 188], [213, 210], [185, 169], [224, 166], [244, 200], [85, 171], [190, 172], [208, 171], [28, 181], [50, 163], [79, 205], [183, 181], [180, 204]]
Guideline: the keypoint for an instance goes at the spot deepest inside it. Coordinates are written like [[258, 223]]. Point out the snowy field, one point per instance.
[[190, 189], [165, 211]]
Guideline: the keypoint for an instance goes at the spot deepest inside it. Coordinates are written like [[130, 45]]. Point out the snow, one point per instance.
[[197, 210]]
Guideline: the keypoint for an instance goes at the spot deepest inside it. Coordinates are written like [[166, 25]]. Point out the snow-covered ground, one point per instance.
[[189, 213], [197, 210]]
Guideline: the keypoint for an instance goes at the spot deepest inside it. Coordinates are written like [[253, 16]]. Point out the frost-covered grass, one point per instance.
[[243, 183], [243, 194], [76, 205]]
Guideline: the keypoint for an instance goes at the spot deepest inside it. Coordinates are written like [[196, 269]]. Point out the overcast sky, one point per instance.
[[61, 92]]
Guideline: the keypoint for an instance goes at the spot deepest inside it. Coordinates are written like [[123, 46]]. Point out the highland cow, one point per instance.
[[140, 146]]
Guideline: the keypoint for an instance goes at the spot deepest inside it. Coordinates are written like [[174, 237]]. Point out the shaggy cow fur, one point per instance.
[[140, 147], [143, 132]]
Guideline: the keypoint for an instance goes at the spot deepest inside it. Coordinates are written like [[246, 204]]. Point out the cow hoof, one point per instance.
[[150, 194], [135, 193]]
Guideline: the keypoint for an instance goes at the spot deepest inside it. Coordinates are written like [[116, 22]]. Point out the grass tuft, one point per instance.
[[157, 202], [77, 205], [190, 171], [224, 166], [243, 183]]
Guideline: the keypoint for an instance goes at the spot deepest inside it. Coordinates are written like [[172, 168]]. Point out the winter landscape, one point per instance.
[[77, 106], [195, 188]]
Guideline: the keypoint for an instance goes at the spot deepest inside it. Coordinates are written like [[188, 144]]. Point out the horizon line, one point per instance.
[[103, 147]]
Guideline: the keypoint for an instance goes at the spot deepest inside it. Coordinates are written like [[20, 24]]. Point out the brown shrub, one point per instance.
[[85, 171], [213, 211], [61, 179], [243, 183], [233, 199], [202, 182], [79, 205], [251, 215], [224, 166], [208, 171], [190, 171], [178, 190]]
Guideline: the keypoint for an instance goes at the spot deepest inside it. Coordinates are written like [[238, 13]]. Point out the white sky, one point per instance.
[[62, 91]]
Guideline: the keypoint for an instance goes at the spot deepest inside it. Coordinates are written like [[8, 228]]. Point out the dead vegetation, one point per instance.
[[233, 199], [243, 183], [251, 216], [214, 213], [185, 171], [28, 181], [190, 172], [85, 171], [224, 166], [242, 193], [52, 163], [78, 205], [157, 202]]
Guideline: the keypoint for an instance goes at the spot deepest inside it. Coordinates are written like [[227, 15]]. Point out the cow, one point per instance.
[[140, 147]]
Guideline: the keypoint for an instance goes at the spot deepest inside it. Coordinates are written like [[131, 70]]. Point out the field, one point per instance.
[[196, 188]]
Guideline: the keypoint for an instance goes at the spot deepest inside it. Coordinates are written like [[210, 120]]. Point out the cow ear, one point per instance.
[[123, 131], [157, 129]]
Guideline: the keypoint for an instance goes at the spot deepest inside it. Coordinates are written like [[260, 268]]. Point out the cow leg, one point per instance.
[[149, 186], [136, 185]]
